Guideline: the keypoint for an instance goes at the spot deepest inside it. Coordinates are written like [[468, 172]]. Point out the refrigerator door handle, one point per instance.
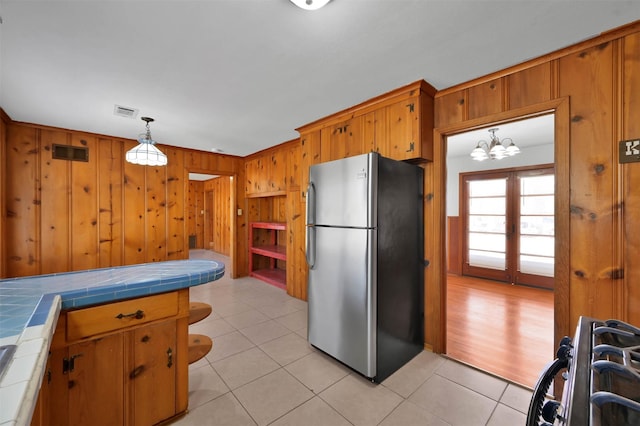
[[310, 250]]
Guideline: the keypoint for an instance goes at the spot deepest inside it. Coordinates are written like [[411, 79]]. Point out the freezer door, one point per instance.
[[342, 192], [342, 292]]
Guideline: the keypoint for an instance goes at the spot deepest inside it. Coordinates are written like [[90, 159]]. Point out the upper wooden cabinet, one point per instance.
[[397, 124], [265, 173]]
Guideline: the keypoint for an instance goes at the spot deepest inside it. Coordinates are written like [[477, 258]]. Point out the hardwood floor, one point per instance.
[[503, 329]]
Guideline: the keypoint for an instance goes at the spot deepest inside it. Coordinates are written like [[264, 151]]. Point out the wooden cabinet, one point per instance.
[[398, 131], [345, 139], [265, 253], [265, 174], [134, 374]]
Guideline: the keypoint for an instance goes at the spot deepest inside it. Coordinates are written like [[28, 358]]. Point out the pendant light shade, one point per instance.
[[495, 149], [310, 4], [145, 153]]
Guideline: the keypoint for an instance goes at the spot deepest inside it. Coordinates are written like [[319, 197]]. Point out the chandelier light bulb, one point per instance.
[[310, 4]]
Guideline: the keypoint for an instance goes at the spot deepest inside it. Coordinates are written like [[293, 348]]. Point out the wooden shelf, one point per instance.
[[275, 276], [270, 249]]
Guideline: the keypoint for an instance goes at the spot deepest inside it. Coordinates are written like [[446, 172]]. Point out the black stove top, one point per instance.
[[601, 368]]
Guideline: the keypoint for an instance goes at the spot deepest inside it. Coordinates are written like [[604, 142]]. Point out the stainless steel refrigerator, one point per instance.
[[364, 247]]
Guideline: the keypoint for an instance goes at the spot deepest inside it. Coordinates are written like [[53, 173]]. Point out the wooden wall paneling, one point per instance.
[[631, 176], [221, 214], [296, 259], [134, 218], [55, 191], [310, 151], [294, 167], [84, 205], [369, 132], [22, 202], [4, 123], [486, 98], [110, 159], [587, 78], [454, 242], [450, 108], [156, 221], [254, 174], [277, 171], [530, 86], [177, 239]]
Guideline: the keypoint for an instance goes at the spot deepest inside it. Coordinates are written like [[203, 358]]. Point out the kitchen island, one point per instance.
[[30, 309]]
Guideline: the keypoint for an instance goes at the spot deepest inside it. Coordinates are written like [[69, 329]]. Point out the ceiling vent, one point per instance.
[[126, 112]]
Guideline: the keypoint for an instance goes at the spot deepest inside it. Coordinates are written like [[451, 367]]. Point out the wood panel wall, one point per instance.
[[599, 80], [195, 212], [72, 215], [220, 213]]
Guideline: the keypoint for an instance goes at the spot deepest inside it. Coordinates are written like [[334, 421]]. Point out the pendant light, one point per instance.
[[145, 153], [495, 149], [310, 4]]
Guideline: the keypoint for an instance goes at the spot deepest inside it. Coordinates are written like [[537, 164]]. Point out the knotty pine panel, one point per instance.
[[134, 212], [221, 214], [450, 108], [177, 177], [4, 120], [296, 259], [22, 202], [110, 158], [587, 77], [310, 155], [55, 178], [486, 98], [84, 205], [277, 177], [194, 216], [156, 217], [631, 176], [530, 86], [294, 167]]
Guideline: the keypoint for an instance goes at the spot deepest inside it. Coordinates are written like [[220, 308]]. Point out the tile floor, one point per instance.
[[262, 371]]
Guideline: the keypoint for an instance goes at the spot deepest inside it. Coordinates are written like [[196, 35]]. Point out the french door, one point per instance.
[[508, 222]]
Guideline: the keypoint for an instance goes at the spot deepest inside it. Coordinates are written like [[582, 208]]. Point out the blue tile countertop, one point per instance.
[[30, 306]]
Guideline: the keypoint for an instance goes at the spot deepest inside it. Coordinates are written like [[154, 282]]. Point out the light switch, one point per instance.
[[239, 212]]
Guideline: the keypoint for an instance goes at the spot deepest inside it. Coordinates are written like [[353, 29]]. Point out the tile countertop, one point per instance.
[[30, 306]]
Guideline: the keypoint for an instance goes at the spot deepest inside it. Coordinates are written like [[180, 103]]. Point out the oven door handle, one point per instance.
[[542, 388]]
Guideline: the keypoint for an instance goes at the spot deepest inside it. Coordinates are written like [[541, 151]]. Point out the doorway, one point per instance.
[[492, 324]]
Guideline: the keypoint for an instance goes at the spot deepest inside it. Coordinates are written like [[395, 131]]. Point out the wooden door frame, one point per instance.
[[435, 217]]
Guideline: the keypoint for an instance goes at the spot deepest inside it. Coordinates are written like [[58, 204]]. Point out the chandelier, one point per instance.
[[145, 153], [495, 149], [310, 4]]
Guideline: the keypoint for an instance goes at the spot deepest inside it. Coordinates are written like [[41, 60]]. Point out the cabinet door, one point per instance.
[[310, 151], [152, 373], [344, 139], [95, 381], [398, 130]]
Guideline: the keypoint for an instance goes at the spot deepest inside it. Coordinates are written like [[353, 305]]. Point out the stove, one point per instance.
[[601, 370]]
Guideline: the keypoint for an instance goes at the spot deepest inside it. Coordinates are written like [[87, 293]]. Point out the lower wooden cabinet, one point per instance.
[[134, 375]]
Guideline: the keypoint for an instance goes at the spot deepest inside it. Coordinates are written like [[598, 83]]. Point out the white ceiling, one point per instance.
[[241, 75]]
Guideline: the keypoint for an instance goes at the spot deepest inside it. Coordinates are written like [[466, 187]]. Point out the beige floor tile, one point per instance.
[[213, 328], [473, 379], [303, 332], [414, 373], [317, 371], [204, 386], [246, 319], [506, 416], [230, 308], [517, 398], [294, 321], [452, 402], [227, 345], [360, 401], [265, 331], [242, 368], [223, 411], [259, 300], [409, 414], [287, 349], [314, 412], [272, 396], [202, 362], [278, 309]]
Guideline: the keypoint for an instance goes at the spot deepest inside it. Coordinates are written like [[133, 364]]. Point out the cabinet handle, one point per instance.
[[169, 358], [136, 371], [139, 314]]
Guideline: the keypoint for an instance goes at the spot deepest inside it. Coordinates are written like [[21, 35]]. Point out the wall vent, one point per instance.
[[72, 153], [123, 111]]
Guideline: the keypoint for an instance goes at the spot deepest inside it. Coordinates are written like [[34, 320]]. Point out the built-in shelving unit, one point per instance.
[[269, 249]]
